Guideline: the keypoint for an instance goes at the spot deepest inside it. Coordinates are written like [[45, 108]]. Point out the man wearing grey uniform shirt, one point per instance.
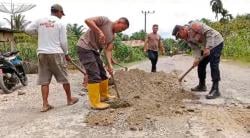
[[207, 45], [99, 37]]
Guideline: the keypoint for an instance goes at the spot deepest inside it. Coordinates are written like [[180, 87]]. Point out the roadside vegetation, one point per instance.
[[236, 32]]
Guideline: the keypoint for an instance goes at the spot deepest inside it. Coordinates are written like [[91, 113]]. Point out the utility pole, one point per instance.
[[145, 18]]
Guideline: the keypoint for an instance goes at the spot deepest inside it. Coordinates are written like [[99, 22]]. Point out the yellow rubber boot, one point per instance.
[[94, 97], [104, 91]]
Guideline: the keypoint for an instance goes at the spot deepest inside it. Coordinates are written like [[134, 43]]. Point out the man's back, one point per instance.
[[51, 35]]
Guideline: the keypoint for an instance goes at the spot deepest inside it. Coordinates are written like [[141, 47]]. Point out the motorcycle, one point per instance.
[[11, 72]]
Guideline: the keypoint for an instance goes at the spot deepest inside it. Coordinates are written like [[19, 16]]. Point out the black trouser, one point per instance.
[[153, 56], [93, 64], [214, 59]]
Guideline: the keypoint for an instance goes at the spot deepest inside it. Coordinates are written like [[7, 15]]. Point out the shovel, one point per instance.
[[78, 67], [192, 67], [115, 86], [126, 68]]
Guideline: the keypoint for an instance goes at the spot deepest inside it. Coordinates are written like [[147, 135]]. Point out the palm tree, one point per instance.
[[17, 22], [74, 29], [225, 16], [217, 7]]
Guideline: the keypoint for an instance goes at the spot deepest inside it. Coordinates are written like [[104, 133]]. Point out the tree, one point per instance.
[[17, 22], [75, 29], [217, 7], [125, 37], [225, 16], [138, 35], [206, 21]]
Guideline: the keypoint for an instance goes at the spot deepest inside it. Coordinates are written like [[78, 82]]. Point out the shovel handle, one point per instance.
[[78, 67], [181, 78], [126, 68], [116, 90]]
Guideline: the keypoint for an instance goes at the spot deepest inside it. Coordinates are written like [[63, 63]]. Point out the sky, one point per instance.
[[167, 13]]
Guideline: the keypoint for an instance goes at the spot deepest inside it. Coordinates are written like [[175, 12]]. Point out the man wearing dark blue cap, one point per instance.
[[205, 42]]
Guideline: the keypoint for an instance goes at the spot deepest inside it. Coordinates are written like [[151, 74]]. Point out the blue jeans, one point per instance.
[[153, 56]]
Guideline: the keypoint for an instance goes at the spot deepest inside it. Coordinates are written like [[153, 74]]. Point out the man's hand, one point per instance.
[[110, 70], [196, 62], [85, 81], [206, 52], [113, 61], [163, 53], [67, 57], [101, 37]]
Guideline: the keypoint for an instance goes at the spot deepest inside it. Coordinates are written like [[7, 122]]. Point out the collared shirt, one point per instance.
[[89, 40], [206, 37], [52, 35]]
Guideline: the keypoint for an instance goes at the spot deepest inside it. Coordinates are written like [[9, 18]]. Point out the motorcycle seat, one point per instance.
[[8, 54]]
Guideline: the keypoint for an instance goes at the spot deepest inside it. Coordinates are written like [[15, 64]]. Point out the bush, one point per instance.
[[237, 38], [124, 53]]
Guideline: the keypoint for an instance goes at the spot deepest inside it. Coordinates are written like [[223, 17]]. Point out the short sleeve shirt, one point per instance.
[[89, 40]]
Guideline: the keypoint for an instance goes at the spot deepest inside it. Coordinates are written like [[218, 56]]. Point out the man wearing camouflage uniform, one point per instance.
[[207, 45]]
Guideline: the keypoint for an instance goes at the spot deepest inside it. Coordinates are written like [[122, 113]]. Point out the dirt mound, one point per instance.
[[149, 95]]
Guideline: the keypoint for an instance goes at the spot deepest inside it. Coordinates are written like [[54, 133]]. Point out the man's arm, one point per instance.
[[146, 44], [196, 53], [108, 54], [93, 24], [63, 39], [196, 50], [161, 47]]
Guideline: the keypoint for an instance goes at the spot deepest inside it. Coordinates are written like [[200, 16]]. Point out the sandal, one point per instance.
[[45, 109], [73, 101]]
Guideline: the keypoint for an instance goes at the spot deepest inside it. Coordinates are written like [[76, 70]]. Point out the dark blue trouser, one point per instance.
[[214, 59], [153, 56]]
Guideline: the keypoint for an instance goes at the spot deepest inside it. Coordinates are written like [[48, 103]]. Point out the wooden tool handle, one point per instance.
[[180, 79], [116, 90], [78, 67]]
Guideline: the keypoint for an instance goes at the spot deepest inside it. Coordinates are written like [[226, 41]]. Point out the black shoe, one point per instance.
[[199, 88], [213, 94]]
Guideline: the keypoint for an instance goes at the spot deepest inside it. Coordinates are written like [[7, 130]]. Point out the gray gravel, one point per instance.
[[20, 116]]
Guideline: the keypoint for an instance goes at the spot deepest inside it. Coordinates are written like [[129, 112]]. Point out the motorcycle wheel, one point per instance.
[[7, 88], [24, 81]]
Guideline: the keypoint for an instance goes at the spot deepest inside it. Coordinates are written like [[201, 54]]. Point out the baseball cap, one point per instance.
[[57, 7], [176, 30]]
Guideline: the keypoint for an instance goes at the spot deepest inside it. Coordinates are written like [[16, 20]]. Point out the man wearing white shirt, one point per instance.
[[52, 53]]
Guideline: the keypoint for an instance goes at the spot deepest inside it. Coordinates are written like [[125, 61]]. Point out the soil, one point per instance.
[[161, 108], [144, 97]]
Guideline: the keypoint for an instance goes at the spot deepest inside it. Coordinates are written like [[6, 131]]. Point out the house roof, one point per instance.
[[5, 30], [134, 43]]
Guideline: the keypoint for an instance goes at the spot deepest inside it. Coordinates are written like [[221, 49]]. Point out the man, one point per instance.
[[207, 44], [52, 52], [152, 45], [99, 37]]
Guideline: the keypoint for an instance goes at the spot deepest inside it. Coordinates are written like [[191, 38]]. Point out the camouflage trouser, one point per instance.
[[93, 64]]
